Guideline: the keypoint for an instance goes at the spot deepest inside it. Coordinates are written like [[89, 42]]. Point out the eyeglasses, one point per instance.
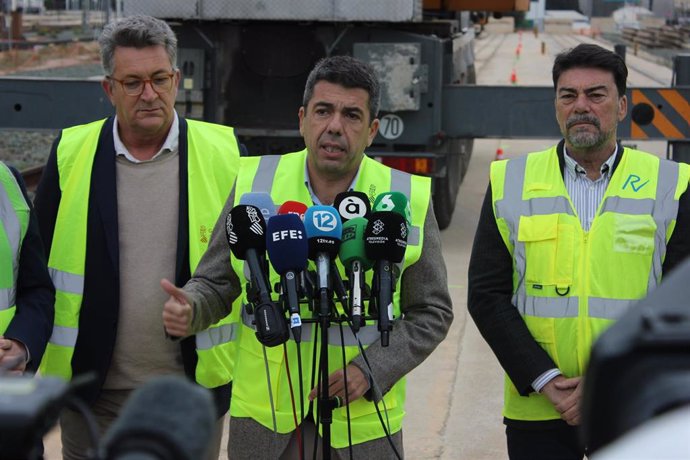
[[135, 86]]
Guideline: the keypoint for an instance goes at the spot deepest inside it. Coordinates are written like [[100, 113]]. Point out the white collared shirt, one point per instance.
[[171, 143], [314, 198]]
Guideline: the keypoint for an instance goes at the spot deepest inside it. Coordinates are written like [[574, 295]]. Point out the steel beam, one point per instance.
[[528, 112], [38, 103]]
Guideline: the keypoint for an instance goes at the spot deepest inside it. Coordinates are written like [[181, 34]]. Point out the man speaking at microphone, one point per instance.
[[338, 122]]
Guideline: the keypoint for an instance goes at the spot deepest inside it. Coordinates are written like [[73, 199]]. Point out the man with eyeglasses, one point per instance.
[[123, 203]]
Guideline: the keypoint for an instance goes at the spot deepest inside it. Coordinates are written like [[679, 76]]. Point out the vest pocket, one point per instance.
[[544, 333], [548, 250], [634, 234]]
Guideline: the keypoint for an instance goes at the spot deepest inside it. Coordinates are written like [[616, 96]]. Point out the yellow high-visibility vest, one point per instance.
[[283, 177], [14, 221], [570, 285], [212, 162]]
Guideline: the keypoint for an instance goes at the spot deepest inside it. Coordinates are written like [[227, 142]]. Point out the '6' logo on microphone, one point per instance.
[[324, 220]]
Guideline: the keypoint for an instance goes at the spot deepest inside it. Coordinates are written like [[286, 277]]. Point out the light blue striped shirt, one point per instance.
[[586, 195]]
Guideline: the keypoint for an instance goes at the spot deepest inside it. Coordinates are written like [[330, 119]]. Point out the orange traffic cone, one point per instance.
[[513, 77], [499, 154]]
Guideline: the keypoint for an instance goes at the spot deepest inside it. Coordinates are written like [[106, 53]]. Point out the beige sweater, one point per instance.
[[147, 207]]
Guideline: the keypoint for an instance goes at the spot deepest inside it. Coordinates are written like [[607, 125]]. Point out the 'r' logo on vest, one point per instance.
[[633, 180]]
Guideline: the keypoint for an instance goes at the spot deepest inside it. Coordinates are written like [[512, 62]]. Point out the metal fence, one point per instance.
[[302, 10]]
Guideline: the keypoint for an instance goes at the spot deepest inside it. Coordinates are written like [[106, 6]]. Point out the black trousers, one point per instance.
[[560, 443]]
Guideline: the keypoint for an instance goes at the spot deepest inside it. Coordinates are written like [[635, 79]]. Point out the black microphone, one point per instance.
[[286, 242], [245, 229], [385, 244], [351, 205], [169, 418]]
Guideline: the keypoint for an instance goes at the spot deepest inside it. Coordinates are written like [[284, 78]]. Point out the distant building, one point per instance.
[[27, 6], [604, 8]]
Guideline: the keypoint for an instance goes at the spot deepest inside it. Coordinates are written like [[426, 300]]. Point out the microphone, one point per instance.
[[306, 287], [395, 202], [169, 418], [351, 205], [245, 229], [385, 244], [293, 207], [324, 230], [353, 256], [286, 242], [261, 200]]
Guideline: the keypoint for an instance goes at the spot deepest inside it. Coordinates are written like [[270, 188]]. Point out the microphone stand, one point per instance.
[[324, 287], [326, 404]]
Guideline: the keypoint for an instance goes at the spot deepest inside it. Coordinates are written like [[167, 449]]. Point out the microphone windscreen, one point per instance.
[[386, 236], [351, 205], [286, 243], [168, 418], [352, 244], [293, 207], [324, 230], [245, 228], [395, 202], [261, 200]]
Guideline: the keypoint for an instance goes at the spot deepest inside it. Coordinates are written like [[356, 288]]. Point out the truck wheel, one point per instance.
[[466, 146], [457, 152]]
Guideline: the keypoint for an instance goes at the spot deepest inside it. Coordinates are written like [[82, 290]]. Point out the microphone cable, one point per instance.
[[270, 390], [347, 393], [314, 367], [384, 424], [292, 401], [300, 376]]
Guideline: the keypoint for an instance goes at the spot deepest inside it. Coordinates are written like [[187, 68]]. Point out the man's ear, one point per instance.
[[622, 107], [373, 129], [107, 86], [301, 115]]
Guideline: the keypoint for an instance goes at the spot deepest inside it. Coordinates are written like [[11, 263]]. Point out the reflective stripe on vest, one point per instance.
[[67, 282], [7, 298], [570, 285], [215, 336], [282, 177], [14, 222]]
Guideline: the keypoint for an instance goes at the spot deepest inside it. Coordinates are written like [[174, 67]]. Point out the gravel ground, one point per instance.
[[24, 149]]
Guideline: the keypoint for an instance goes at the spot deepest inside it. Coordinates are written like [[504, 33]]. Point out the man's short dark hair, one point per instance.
[[592, 56], [348, 72]]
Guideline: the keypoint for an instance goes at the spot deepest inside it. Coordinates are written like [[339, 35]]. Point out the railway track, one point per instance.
[[639, 75]]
